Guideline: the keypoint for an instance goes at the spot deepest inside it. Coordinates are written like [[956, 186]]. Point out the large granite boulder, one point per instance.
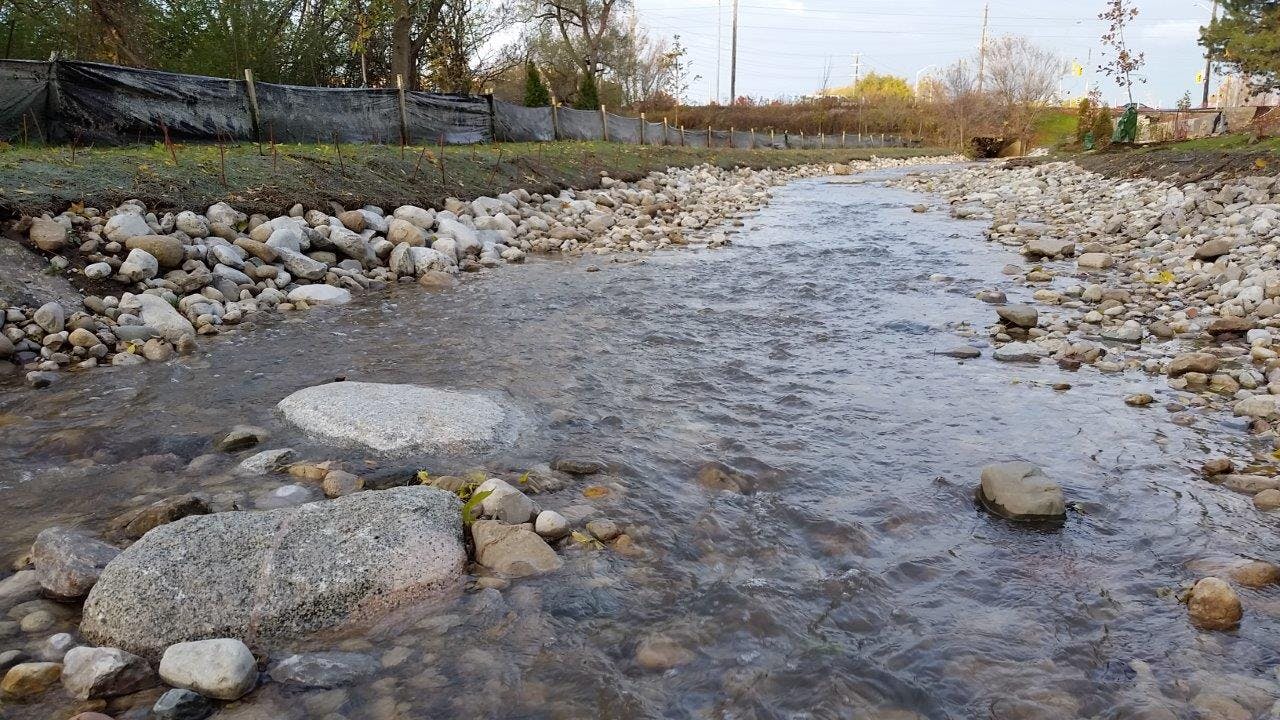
[[391, 418], [278, 575]]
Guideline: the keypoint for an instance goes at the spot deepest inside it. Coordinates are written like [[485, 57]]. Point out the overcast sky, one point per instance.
[[783, 45]]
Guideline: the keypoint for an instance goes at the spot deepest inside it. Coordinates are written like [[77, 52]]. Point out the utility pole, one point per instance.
[[857, 67], [982, 47], [1208, 61], [733, 59], [719, 53]]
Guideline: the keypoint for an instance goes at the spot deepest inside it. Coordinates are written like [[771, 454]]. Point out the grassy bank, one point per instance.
[[34, 180], [1186, 161]]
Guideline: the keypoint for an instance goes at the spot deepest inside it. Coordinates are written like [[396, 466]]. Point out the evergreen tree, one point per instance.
[[1084, 118], [1246, 39], [536, 93], [588, 93]]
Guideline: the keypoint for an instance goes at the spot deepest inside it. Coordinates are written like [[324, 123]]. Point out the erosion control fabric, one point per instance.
[[107, 104]]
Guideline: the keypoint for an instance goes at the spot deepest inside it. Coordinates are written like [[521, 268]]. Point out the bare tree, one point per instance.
[[1021, 81], [584, 26]]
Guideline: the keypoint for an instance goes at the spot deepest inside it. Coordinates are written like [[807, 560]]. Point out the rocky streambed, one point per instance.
[[756, 480]]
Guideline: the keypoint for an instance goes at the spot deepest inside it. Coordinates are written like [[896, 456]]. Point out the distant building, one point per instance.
[[1234, 91]]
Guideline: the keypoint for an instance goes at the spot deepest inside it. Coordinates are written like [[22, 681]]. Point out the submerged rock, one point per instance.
[[1021, 491], [279, 574], [392, 418], [323, 669], [1213, 605], [513, 551]]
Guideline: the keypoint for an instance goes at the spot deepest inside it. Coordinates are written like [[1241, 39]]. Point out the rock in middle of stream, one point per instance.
[[279, 574], [392, 418]]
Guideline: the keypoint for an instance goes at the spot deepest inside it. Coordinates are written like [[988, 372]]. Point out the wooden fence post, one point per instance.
[[753, 138], [709, 139], [555, 121], [642, 124], [681, 136], [254, 116], [822, 141], [665, 128], [843, 135], [772, 138], [604, 124], [404, 112]]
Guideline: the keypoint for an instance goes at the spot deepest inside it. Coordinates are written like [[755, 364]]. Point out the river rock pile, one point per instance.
[[1180, 281], [166, 279]]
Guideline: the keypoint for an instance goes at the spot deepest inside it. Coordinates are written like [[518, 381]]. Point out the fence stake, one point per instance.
[[604, 124], [255, 118], [555, 121], [708, 137], [730, 137], [404, 116], [442, 183], [222, 158], [642, 124], [822, 141], [342, 166], [271, 129], [681, 136], [842, 138], [418, 164], [771, 137], [753, 138], [168, 144], [665, 141]]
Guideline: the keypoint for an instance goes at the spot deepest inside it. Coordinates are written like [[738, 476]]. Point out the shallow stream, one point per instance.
[[856, 579]]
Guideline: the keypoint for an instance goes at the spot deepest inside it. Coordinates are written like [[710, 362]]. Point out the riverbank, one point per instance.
[[154, 282], [1175, 282], [37, 180], [1228, 156]]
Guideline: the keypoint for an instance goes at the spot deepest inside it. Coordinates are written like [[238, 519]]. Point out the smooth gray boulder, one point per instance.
[[1021, 491], [160, 315], [279, 575], [220, 668], [391, 418]]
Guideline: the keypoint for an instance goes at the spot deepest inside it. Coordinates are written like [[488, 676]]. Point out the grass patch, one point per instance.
[[1055, 129], [49, 179]]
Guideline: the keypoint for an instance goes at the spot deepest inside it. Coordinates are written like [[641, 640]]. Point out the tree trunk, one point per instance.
[[402, 43]]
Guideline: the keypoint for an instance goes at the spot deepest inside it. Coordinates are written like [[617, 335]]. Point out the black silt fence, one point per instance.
[[60, 101], [24, 100]]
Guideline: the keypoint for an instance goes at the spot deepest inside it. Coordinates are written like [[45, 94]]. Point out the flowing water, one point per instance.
[[856, 579]]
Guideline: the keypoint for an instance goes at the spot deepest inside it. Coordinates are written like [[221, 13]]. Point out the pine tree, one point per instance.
[[536, 93], [1246, 39], [588, 93]]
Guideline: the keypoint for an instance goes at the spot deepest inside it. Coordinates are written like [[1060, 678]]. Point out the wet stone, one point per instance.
[[1021, 491], [324, 669], [180, 704]]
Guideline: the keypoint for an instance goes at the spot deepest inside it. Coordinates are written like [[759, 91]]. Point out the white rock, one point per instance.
[[320, 295], [396, 418]]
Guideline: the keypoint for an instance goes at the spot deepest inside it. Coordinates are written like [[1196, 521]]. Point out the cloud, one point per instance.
[[1172, 31]]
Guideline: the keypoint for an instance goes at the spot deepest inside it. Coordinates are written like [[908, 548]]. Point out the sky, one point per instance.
[[785, 45]]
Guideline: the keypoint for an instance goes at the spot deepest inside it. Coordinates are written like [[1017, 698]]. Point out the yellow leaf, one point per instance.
[[1260, 163], [595, 491], [424, 477]]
